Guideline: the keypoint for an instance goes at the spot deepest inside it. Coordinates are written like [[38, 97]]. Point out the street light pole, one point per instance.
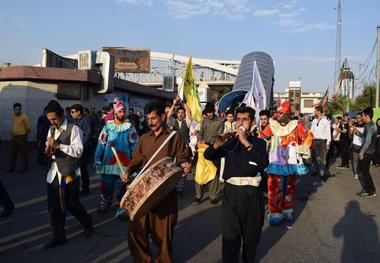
[[378, 67]]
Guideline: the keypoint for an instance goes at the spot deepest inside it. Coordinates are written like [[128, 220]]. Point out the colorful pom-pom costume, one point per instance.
[[285, 163]]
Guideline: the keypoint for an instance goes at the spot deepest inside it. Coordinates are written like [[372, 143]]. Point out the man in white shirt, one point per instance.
[[321, 129], [65, 147]]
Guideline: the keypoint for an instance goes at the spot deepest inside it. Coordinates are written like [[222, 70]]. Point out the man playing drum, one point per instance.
[[161, 220]]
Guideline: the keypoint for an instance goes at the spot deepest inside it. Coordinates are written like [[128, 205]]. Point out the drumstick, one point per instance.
[[117, 159]]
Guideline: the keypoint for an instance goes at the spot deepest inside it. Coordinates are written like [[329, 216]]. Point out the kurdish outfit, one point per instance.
[[242, 202], [160, 222], [285, 163]]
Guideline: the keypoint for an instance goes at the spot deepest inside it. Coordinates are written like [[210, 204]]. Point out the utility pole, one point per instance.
[[378, 68], [338, 48]]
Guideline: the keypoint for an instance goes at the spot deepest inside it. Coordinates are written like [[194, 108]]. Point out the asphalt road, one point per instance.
[[331, 224]]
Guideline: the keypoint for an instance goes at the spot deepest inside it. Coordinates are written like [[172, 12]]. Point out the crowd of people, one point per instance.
[[250, 152]]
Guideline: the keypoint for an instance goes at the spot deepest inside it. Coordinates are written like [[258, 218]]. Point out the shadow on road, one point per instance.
[[195, 233], [305, 187], [360, 235]]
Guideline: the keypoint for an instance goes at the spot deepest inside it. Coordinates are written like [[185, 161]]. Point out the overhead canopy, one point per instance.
[[231, 100]]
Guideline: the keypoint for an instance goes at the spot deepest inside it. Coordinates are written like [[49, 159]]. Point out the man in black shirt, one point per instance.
[[243, 204], [344, 142]]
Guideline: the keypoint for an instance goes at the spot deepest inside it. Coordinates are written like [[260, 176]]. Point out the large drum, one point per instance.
[[152, 186]]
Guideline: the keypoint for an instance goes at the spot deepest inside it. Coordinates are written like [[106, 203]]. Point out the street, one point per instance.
[[331, 224]]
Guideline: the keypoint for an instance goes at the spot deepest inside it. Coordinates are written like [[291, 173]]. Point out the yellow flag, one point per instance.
[[190, 92]]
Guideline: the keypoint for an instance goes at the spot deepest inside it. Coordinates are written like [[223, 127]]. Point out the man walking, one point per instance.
[[366, 152], [320, 128], [64, 146], [182, 124], [357, 143], [19, 143], [243, 202], [83, 122], [159, 223], [211, 126], [120, 135]]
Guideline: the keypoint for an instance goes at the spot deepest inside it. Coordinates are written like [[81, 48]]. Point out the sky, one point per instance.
[[300, 35]]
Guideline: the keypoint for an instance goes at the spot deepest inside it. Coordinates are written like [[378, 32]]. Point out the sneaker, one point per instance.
[[365, 194], [196, 201], [356, 176]]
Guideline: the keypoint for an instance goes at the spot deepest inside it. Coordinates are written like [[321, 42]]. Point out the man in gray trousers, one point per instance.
[[211, 127], [321, 129]]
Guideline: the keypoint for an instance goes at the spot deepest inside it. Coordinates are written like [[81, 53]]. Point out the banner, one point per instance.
[[190, 92]]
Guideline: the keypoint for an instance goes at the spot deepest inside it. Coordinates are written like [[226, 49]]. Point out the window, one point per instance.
[[308, 103]]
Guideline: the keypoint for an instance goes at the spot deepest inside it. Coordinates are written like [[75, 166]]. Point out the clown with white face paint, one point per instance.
[[120, 134]]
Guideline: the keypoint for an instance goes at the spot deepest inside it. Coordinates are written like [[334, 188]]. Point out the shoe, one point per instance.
[[213, 201], [10, 170], [365, 194], [55, 242], [196, 201], [88, 231], [356, 176], [23, 171], [103, 206], [275, 219], [84, 193], [287, 215], [6, 212], [360, 193], [324, 178]]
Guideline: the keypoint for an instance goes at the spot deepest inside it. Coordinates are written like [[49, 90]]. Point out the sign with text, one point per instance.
[[130, 60]]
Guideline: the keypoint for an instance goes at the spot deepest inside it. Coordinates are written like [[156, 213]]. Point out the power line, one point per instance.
[[368, 60]]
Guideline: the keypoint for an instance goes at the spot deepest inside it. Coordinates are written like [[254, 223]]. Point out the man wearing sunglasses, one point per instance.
[[120, 134], [83, 122]]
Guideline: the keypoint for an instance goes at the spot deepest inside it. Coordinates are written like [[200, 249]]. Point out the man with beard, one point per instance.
[[161, 220], [64, 146], [243, 203], [183, 123], [211, 127], [285, 163], [83, 122], [120, 134], [264, 119]]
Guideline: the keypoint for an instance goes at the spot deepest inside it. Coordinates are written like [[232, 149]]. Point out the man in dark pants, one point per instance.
[[43, 126], [64, 146], [19, 143], [6, 202], [83, 122], [243, 203], [366, 152], [344, 143], [321, 129]]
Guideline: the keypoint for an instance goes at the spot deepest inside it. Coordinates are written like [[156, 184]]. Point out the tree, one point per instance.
[[338, 106], [367, 98]]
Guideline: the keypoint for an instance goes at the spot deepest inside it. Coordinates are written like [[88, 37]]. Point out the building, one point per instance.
[[301, 102], [34, 86], [244, 80]]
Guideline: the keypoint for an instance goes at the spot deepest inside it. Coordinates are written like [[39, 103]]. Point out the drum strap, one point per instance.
[[155, 154]]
